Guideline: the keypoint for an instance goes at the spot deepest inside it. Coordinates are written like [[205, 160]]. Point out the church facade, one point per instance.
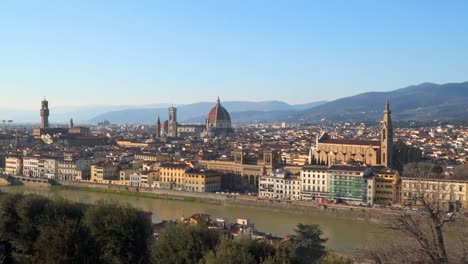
[[331, 151]]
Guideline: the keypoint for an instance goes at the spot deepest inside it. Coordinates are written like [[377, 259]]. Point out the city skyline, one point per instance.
[[88, 53]]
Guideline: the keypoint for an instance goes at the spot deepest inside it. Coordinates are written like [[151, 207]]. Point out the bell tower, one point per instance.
[[386, 138], [172, 121], [158, 128], [44, 114]]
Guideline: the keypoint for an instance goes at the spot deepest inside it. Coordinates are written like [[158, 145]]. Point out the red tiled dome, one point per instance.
[[218, 113]]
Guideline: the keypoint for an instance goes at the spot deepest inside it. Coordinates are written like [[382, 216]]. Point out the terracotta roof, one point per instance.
[[351, 142], [218, 113]]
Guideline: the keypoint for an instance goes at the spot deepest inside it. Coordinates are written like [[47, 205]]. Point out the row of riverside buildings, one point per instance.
[[336, 183], [358, 185], [353, 171]]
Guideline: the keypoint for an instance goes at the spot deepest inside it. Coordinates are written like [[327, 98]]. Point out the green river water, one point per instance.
[[343, 235]]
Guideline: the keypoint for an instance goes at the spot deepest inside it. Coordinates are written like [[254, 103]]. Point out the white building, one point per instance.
[[135, 179], [31, 167], [280, 185], [48, 168], [73, 169], [314, 182], [13, 165], [144, 180]]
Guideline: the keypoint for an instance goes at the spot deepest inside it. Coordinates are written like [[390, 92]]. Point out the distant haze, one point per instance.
[[426, 101]]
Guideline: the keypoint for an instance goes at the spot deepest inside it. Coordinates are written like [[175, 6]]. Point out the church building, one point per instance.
[[370, 152]]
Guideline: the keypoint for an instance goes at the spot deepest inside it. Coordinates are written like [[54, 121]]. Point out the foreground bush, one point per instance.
[[35, 229]]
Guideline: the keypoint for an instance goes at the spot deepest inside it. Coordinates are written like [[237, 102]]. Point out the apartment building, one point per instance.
[[314, 182]]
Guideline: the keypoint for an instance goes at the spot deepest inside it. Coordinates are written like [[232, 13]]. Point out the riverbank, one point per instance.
[[296, 207], [345, 234], [163, 196]]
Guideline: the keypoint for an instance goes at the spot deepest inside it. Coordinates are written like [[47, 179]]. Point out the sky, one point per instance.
[[79, 52]]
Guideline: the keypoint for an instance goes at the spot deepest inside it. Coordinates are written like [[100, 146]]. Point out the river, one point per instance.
[[343, 235]]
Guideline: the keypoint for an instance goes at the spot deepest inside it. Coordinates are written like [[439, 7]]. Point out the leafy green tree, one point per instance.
[[230, 252], [247, 250], [437, 169], [310, 242], [284, 254], [29, 213], [65, 241], [121, 233], [2, 161], [22, 217], [184, 244], [9, 224]]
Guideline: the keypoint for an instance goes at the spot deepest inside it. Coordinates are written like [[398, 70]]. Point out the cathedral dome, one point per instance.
[[218, 121], [218, 113]]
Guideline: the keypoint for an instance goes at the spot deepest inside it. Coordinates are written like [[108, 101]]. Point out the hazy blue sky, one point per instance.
[[141, 52]]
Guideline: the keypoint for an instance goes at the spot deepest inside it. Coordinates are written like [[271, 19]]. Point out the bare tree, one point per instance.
[[421, 233]]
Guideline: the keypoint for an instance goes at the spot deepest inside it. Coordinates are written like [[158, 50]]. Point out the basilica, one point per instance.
[[217, 124], [369, 152]]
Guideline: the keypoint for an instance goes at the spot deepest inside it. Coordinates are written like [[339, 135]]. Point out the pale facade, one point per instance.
[[73, 169], [102, 172], [314, 182], [31, 166], [13, 165], [452, 193], [280, 185], [48, 168]]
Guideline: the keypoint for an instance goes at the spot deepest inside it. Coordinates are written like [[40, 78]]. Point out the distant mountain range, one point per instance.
[[196, 113], [426, 101]]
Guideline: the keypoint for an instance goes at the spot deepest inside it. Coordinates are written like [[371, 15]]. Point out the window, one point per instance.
[[460, 188]]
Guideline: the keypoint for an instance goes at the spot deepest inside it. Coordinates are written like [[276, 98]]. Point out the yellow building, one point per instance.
[[172, 175], [103, 172], [200, 180], [130, 144], [13, 165], [452, 193], [387, 187], [185, 177]]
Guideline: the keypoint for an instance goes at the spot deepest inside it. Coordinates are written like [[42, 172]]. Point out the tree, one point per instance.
[[331, 258], [66, 241], [284, 254], [230, 252], [310, 242], [9, 225], [422, 234], [184, 244], [28, 212], [121, 233], [437, 169], [310, 236]]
